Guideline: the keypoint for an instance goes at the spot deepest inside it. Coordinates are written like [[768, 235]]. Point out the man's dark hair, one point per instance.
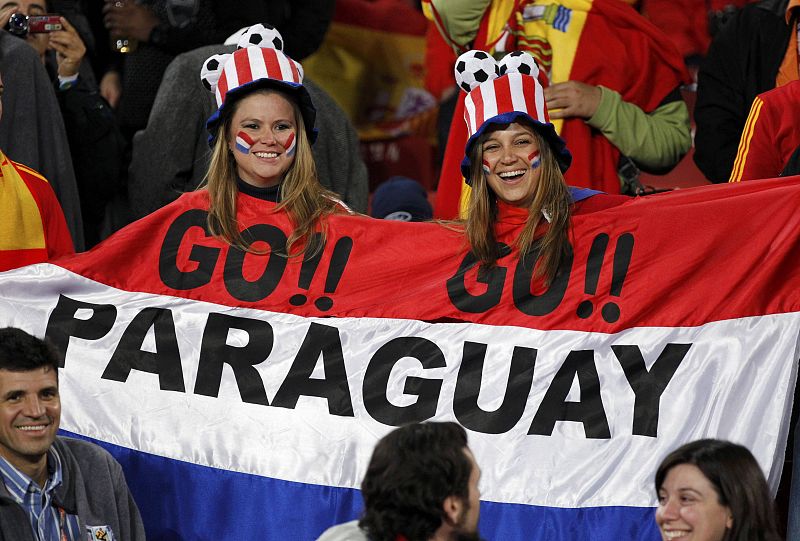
[[412, 471], [22, 352]]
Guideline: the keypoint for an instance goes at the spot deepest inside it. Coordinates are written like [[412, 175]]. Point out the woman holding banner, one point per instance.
[[520, 187], [261, 138], [712, 490]]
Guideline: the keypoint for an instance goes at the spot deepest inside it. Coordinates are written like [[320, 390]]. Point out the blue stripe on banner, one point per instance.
[[180, 501]]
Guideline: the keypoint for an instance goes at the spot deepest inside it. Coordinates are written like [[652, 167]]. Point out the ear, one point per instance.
[[729, 521], [453, 507]]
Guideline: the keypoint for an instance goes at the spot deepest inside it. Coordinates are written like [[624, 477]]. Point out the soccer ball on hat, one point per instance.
[[475, 67], [262, 35], [212, 70], [521, 62]]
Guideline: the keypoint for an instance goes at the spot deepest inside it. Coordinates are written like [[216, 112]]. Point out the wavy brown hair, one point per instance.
[[305, 200], [552, 195]]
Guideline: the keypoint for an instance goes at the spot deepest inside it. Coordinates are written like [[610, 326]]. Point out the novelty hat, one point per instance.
[[259, 62], [502, 93]]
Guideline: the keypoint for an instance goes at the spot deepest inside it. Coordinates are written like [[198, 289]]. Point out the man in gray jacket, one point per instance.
[[53, 488]]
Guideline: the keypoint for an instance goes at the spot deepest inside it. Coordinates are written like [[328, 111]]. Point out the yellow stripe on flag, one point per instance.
[[21, 225], [744, 142]]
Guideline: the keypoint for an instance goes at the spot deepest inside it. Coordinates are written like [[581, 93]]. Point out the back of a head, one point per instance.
[[739, 481], [21, 352], [411, 472]]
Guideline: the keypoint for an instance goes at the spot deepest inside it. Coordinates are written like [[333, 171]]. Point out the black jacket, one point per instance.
[[742, 62]]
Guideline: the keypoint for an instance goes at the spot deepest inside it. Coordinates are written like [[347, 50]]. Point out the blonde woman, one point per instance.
[[261, 138]]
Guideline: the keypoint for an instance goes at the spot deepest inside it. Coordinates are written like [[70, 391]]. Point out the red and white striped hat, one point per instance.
[[259, 62], [501, 93]]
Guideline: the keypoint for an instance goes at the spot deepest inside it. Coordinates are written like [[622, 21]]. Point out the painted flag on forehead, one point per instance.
[[598, 42], [245, 392]]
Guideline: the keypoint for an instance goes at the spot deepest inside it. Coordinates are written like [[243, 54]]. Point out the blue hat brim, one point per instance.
[[296, 90], [546, 130]]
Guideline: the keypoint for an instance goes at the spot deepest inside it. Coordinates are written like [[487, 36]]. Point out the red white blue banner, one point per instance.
[[244, 393]]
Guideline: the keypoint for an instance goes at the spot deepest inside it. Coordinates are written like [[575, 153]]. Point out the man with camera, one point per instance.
[[95, 142]]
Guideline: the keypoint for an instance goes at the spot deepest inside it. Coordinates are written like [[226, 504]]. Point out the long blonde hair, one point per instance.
[[552, 195], [305, 200]]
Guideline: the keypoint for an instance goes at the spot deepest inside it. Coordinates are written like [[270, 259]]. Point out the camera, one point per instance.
[[22, 25]]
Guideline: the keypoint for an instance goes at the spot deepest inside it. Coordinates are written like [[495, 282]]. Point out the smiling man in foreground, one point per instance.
[[53, 488]]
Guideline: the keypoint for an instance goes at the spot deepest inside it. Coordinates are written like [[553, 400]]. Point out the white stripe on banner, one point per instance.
[[258, 67], [517, 93], [733, 380]]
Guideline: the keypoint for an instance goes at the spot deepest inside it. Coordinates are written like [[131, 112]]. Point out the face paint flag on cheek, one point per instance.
[[535, 159], [243, 142], [290, 145], [486, 170]]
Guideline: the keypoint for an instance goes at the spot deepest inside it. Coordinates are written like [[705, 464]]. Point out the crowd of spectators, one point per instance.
[[107, 105]]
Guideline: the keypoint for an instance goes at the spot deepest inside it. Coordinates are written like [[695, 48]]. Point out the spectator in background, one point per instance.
[[32, 226], [165, 28], [32, 130], [421, 484], [401, 199], [96, 144], [771, 134], [53, 488], [171, 156], [755, 51], [714, 490]]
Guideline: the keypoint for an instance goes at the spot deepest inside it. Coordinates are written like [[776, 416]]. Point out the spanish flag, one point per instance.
[[600, 42]]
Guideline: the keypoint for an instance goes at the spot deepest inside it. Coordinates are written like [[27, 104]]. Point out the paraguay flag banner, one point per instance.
[[245, 392]]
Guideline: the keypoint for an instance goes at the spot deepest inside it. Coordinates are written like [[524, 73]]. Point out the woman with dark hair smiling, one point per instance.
[[713, 490]]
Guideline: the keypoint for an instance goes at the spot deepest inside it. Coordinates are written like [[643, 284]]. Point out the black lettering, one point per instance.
[[649, 386], [166, 362], [494, 278], [63, 324], [588, 411], [468, 388], [265, 284], [205, 257], [376, 381], [320, 340], [215, 353], [540, 305]]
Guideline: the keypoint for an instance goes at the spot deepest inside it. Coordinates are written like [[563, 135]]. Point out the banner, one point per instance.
[[244, 393]]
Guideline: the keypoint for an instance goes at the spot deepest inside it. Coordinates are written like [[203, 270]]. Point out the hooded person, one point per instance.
[[261, 137], [514, 163]]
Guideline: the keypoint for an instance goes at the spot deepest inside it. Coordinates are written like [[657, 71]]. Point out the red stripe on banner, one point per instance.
[[243, 67], [647, 274], [502, 94]]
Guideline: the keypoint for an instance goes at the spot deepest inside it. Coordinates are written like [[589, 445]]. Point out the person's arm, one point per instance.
[[130, 521], [757, 155], [655, 141], [164, 160], [458, 20], [58, 241]]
